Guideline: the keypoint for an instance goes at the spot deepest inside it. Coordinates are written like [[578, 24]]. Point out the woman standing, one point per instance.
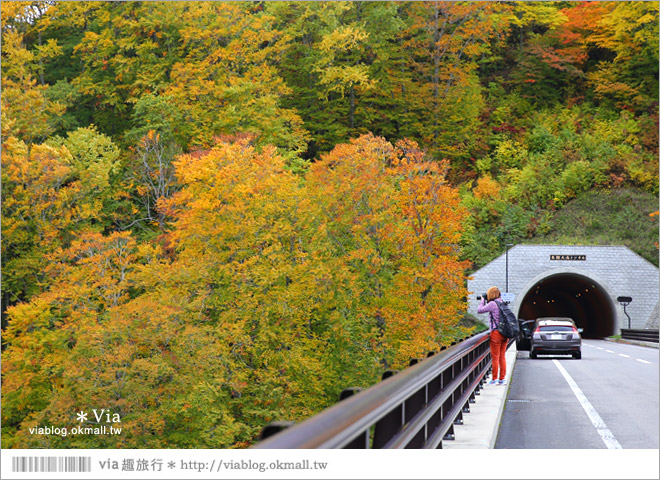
[[497, 340]]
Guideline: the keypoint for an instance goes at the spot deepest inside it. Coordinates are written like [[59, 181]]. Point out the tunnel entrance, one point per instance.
[[575, 296]]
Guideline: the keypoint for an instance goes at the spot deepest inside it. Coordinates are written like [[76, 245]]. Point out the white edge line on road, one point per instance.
[[624, 355], [604, 432], [609, 351], [643, 361]]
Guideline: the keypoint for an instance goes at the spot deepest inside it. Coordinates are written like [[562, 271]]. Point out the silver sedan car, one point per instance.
[[556, 335]]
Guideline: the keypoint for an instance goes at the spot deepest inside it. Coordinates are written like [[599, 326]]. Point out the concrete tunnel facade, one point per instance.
[[581, 282]]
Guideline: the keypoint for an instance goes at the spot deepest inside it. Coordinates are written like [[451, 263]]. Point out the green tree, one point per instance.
[[630, 30], [28, 111]]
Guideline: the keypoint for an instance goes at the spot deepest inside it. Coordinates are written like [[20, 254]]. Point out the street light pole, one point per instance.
[[625, 301], [507, 265]]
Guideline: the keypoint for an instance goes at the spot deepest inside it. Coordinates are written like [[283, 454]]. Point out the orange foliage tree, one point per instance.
[[391, 219], [272, 295]]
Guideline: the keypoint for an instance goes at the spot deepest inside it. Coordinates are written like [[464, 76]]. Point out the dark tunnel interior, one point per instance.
[[574, 296]]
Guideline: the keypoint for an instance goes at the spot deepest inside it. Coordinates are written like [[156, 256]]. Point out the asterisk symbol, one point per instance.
[[171, 465], [82, 416]]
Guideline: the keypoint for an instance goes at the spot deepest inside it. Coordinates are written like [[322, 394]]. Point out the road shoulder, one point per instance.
[[633, 342]]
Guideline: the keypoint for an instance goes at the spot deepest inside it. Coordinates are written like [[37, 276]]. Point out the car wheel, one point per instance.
[[577, 355], [532, 354]]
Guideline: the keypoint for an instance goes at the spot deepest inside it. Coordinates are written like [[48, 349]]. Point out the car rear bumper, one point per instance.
[[555, 347]]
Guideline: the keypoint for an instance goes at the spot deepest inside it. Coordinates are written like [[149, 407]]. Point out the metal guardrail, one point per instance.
[[415, 408], [644, 335]]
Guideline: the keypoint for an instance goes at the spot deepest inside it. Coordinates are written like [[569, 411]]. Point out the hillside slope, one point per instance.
[[608, 217]]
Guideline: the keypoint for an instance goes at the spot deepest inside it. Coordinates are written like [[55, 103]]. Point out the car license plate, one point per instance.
[[555, 337]]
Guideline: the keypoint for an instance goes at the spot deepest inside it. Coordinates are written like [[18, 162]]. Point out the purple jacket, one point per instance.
[[491, 308]]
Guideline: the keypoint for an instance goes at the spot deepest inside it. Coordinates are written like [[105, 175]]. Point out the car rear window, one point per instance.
[[556, 328]]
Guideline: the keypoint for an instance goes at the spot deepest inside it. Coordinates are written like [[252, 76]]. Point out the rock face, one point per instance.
[[653, 319]]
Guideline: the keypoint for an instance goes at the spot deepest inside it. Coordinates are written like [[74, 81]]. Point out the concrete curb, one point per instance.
[[481, 426], [633, 342], [511, 356]]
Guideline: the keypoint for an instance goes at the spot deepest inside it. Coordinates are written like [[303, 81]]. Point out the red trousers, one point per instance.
[[497, 352]]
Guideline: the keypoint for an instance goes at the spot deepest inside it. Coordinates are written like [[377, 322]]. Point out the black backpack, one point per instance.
[[508, 324]]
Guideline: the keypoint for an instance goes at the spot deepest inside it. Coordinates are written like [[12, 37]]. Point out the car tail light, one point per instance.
[[575, 330], [538, 330]]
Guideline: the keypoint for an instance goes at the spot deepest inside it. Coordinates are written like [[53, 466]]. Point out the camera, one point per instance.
[[484, 295]]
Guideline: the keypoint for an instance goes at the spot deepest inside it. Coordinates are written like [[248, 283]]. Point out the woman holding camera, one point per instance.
[[497, 340]]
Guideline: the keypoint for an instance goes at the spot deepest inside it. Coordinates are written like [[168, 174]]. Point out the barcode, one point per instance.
[[51, 464]]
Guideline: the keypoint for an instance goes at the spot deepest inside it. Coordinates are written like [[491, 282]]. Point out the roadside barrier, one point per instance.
[[414, 408]]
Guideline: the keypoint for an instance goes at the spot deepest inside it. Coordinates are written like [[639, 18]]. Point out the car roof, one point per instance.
[[555, 321]]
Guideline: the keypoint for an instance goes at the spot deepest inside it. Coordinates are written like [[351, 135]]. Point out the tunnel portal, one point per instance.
[[583, 280], [575, 296]]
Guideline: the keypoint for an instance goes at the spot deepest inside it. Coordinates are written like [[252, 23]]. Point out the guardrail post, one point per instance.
[[389, 425], [362, 440], [273, 428], [388, 374], [478, 352], [411, 407], [459, 418], [449, 403], [434, 388], [348, 392]]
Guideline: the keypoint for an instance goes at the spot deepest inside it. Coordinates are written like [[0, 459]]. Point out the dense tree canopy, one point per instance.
[[219, 214]]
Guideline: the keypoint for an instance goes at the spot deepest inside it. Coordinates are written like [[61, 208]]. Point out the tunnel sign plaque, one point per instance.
[[568, 257]]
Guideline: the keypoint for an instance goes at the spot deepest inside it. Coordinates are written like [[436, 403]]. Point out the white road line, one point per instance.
[[604, 432], [624, 355], [599, 348], [643, 361], [609, 351]]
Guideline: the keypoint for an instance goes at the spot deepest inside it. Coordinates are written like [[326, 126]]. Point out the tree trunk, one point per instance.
[[436, 72], [352, 107], [41, 64]]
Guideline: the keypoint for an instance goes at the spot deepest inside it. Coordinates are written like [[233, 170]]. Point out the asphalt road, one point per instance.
[[613, 401]]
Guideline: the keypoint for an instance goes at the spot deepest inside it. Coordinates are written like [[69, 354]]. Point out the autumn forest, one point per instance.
[[220, 214]]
